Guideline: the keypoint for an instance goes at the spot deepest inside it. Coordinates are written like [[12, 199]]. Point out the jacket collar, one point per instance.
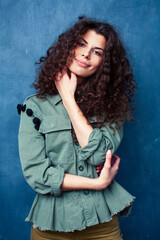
[[54, 98]]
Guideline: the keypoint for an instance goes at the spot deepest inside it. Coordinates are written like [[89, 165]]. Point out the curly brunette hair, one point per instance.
[[108, 93]]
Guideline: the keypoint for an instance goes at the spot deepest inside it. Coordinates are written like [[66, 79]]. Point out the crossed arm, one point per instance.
[[66, 87]]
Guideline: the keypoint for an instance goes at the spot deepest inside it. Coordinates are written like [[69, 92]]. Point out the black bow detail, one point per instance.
[[21, 107]]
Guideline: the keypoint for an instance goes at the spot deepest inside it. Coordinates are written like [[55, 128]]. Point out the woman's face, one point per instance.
[[88, 54]]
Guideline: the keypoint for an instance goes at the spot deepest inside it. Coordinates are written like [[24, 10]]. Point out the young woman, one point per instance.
[[84, 96]]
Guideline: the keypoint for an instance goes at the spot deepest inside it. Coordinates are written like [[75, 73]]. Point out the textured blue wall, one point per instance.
[[27, 29]]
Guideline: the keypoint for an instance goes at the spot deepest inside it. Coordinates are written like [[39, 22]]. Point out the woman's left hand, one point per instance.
[[66, 86], [100, 167]]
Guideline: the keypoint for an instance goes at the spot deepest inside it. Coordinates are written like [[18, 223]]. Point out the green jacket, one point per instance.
[[47, 151]]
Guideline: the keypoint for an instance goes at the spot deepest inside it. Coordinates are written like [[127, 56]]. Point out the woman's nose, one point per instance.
[[86, 54]]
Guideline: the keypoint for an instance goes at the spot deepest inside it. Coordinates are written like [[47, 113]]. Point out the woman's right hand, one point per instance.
[[66, 86], [108, 171]]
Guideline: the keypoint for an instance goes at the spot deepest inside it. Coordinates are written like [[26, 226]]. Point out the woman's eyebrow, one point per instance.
[[84, 40], [99, 48], [95, 47]]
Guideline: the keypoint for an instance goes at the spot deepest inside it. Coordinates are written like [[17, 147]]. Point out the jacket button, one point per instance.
[[86, 191], [29, 112], [81, 168], [37, 126], [36, 120]]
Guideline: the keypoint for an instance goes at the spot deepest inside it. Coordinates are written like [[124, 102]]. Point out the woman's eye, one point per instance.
[[81, 44], [97, 52]]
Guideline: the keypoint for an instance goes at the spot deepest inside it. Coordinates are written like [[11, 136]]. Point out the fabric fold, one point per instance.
[[93, 143], [67, 212]]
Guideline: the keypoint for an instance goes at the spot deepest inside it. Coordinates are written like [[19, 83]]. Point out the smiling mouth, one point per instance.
[[82, 64]]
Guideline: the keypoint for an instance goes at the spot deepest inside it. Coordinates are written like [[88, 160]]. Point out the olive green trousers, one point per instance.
[[108, 231]]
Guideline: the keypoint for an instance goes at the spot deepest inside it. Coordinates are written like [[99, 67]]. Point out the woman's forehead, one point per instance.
[[96, 39]]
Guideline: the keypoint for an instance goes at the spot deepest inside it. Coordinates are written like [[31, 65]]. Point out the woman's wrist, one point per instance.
[[68, 100], [100, 184], [74, 182]]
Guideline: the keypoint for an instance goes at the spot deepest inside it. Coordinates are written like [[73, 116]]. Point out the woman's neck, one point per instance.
[[80, 80]]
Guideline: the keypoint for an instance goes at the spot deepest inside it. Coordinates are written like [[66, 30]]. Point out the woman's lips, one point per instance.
[[81, 63]]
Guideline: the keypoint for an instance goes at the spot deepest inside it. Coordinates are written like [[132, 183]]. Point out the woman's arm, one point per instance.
[[66, 88], [100, 140], [108, 172], [94, 142], [38, 170], [80, 124]]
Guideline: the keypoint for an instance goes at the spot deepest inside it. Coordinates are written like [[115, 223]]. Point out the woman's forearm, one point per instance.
[[74, 182], [108, 172], [80, 124], [66, 87]]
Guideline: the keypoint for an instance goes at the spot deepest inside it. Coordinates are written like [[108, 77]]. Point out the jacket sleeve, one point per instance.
[[100, 140], [37, 169]]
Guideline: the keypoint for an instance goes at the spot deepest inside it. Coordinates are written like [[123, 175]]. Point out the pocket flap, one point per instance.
[[50, 124]]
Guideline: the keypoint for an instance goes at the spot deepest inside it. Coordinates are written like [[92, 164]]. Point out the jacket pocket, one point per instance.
[[58, 139]]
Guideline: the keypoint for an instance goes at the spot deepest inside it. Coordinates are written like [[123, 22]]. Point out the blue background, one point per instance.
[[27, 29]]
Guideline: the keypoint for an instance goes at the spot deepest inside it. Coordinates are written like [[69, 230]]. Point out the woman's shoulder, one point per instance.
[[40, 110], [54, 99], [33, 99], [43, 106]]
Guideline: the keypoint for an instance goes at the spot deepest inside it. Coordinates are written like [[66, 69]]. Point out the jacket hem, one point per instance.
[[125, 214]]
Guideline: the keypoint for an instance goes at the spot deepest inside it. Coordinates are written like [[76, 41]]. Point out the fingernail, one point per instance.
[[109, 152]]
